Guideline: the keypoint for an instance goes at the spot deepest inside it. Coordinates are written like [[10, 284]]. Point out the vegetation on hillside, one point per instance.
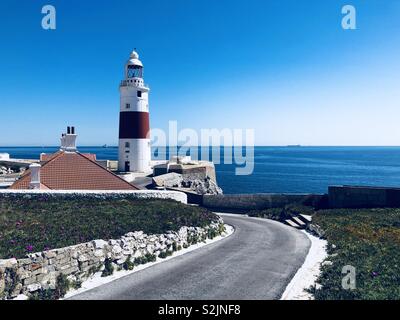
[[32, 225], [367, 239], [282, 214]]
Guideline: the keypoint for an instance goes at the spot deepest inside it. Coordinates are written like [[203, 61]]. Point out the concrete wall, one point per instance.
[[246, 202], [363, 197], [135, 194]]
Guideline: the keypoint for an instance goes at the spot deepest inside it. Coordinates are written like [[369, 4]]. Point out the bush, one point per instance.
[[282, 214], [62, 286], [12, 279], [145, 259], [108, 268], [128, 264]]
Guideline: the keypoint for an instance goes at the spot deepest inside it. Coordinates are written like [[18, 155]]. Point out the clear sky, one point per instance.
[[284, 68]]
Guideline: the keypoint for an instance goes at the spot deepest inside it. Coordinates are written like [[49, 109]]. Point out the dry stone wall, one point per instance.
[[40, 271]]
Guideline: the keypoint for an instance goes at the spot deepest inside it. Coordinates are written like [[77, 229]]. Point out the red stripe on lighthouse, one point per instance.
[[134, 125]]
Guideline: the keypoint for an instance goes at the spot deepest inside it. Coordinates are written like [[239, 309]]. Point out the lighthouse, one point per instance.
[[134, 153]]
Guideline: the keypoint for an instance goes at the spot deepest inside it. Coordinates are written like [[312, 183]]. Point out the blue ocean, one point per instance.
[[285, 169]]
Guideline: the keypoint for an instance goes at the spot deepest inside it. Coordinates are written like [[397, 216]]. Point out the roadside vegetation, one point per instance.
[[282, 214], [366, 239], [28, 226]]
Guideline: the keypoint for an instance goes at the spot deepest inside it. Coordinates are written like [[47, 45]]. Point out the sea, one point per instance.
[[291, 169]]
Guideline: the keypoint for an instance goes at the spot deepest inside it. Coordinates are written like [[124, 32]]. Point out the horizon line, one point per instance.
[[221, 146]]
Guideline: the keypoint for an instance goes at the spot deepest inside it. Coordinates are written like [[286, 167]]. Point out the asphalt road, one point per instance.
[[256, 262]]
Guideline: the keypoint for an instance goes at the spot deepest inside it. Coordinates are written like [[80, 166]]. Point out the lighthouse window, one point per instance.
[[127, 145], [128, 106], [139, 94]]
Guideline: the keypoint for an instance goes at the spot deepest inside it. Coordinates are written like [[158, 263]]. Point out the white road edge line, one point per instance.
[[96, 280], [308, 273]]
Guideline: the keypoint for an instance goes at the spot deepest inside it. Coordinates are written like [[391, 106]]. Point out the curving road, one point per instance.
[[256, 262]]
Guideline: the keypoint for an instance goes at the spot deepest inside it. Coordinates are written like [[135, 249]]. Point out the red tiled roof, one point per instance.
[[74, 171], [47, 157]]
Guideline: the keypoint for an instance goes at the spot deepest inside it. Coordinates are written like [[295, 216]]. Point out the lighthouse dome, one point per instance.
[[134, 59], [134, 55]]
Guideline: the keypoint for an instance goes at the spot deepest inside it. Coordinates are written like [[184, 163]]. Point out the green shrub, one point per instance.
[[282, 214], [128, 264], [108, 268], [11, 281], [43, 294], [93, 270], [62, 286], [77, 284], [148, 257]]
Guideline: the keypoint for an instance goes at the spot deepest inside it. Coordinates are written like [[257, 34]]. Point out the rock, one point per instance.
[[99, 244], [34, 287], [21, 297], [82, 258], [327, 263], [168, 180], [127, 251], [116, 249], [71, 278], [9, 263], [99, 253]]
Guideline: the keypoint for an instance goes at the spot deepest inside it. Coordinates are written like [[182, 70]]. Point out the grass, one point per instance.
[[367, 239], [42, 224]]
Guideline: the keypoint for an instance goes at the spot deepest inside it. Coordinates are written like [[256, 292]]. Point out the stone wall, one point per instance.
[[363, 197], [39, 271], [124, 194], [246, 202]]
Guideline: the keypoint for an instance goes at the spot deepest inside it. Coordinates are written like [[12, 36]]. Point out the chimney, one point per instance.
[[35, 176], [68, 140]]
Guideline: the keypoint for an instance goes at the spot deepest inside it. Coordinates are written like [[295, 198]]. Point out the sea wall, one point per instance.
[[363, 197], [40, 271], [123, 194], [246, 202]]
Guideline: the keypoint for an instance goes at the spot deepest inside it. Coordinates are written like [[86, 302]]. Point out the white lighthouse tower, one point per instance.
[[134, 126]]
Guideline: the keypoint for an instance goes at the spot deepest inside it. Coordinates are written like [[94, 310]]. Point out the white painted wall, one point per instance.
[[4, 156], [139, 155], [113, 194]]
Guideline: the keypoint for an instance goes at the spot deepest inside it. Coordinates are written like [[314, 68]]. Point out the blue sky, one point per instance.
[[284, 68]]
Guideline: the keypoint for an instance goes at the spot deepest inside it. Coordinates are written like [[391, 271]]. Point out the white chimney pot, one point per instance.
[[35, 175]]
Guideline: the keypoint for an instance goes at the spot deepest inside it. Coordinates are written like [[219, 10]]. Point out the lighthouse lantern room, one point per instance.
[[134, 127]]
